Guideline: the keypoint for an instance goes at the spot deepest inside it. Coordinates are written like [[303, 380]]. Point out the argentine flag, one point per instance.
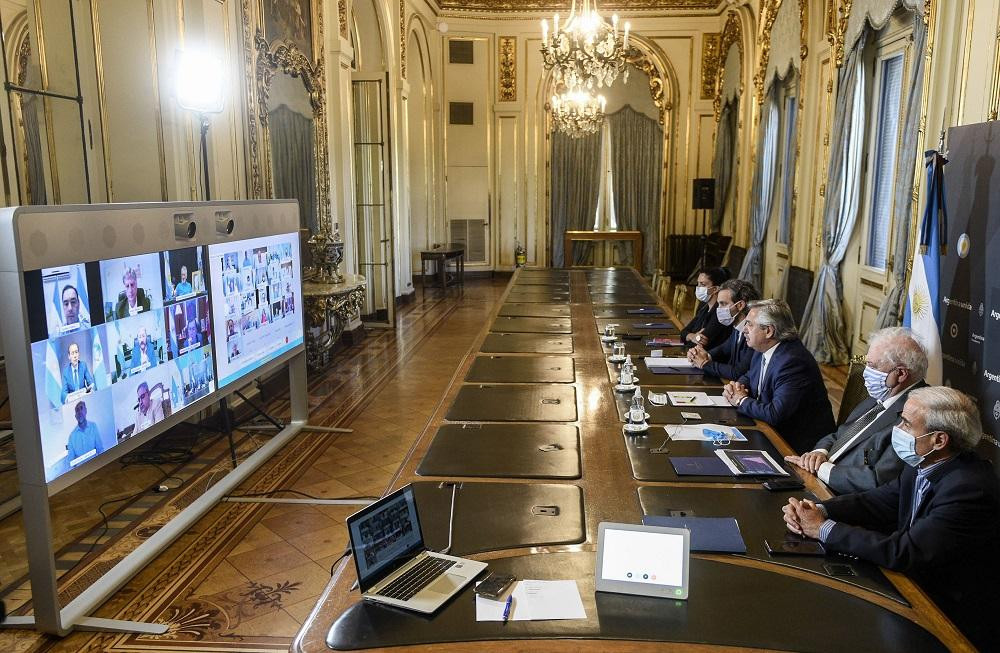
[[923, 309], [53, 377]]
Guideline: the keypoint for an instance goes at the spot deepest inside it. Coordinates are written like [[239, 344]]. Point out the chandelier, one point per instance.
[[584, 50], [577, 113]]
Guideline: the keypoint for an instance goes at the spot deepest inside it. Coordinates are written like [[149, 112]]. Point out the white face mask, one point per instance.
[[905, 446], [701, 292], [725, 315], [875, 383]]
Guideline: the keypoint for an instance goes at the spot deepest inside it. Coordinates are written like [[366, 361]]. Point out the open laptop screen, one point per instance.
[[384, 536]]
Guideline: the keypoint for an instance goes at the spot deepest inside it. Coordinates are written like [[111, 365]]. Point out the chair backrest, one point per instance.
[[715, 250], [683, 252], [800, 282], [680, 299], [734, 261], [657, 273], [854, 389], [662, 288]]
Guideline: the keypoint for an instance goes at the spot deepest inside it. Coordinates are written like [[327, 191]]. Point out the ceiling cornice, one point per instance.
[[533, 6]]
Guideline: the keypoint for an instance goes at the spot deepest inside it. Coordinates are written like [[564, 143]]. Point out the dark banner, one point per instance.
[[970, 274]]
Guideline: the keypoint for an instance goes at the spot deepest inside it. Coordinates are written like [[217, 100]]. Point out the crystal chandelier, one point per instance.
[[577, 113], [584, 50]]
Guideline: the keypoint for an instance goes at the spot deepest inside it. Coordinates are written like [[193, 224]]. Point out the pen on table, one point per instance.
[[506, 607]]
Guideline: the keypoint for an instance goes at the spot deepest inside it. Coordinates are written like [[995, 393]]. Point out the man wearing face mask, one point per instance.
[[732, 358], [939, 521], [704, 328], [859, 455]]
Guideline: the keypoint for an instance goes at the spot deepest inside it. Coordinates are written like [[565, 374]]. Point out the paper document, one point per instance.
[[697, 432], [536, 600], [668, 361], [698, 399], [657, 398]]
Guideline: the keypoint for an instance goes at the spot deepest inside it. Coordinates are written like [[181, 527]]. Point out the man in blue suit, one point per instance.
[[76, 375], [938, 522], [732, 358], [143, 353], [784, 386]]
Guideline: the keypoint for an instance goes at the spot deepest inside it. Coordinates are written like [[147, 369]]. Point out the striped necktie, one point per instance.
[[852, 431]]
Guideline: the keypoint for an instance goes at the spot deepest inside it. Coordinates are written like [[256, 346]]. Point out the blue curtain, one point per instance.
[[763, 191]]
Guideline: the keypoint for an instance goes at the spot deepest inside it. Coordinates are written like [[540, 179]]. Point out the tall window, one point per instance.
[[787, 169], [889, 78]]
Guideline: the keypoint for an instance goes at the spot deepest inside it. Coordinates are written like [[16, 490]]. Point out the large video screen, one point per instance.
[[256, 310], [116, 346]]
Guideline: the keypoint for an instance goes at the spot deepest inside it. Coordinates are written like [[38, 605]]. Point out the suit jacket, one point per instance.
[[705, 318], [137, 354], [141, 301], [950, 549], [793, 400], [731, 359], [871, 460], [84, 379]]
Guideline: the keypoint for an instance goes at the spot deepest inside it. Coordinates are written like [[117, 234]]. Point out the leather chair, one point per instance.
[[854, 389]]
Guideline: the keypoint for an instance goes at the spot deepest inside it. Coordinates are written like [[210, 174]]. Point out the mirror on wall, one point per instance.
[[288, 150]]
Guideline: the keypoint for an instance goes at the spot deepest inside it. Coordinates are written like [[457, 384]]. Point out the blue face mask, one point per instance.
[[725, 315], [905, 446], [875, 383]]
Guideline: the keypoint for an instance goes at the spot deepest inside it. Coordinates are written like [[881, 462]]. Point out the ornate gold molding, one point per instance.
[[342, 17], [643, 62], [838, 46], [23, 54], [507, 62], [768, 14], [564, 5], [732, 34], [402, 38], [710, 62], [830, 21], [804, 30], [262, 60]]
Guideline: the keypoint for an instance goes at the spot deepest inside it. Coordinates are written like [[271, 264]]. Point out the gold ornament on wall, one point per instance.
[[550, 5], [710, 62], [342, 17], [732, 34], [768, 14], [639, 60], [507, 61], [402, 38], [838, 46]]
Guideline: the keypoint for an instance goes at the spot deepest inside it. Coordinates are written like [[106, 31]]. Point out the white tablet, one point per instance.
[[643, 560]]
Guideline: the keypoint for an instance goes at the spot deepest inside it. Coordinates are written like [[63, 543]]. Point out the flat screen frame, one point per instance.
[[51, 236], [602, 584]]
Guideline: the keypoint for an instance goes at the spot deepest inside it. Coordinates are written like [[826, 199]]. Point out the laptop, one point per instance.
[[394, 566]]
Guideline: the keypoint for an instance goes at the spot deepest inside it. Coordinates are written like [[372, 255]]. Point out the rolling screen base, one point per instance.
[[95, 624]]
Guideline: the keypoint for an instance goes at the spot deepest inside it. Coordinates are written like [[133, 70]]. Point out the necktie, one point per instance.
[[76, 377], [852, 431], [760, 381]]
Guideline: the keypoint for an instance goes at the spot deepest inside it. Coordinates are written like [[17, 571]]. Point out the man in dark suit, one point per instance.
[[132, 299], [76, 375], [939, 521], [784, 386], [859, 455], [732, 358]]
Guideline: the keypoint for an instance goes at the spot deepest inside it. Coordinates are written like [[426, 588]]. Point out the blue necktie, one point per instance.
[[919, 491]]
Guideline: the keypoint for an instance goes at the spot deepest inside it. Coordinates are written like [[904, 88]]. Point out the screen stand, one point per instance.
[[95, 624]]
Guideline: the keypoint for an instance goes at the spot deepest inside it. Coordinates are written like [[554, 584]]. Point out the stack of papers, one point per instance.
[[698, 399], [676, 362], [535, 600], [697, 432]]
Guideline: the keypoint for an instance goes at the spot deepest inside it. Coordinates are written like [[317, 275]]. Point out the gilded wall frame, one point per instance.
[[262, 60]]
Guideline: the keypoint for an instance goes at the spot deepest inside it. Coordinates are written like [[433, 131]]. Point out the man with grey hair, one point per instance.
[[858, 455], [939, 521], [784, 386]]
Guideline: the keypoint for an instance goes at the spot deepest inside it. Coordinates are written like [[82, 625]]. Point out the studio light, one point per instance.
[[200, 81]]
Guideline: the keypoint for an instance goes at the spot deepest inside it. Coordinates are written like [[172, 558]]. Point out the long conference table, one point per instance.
[[531, 430]]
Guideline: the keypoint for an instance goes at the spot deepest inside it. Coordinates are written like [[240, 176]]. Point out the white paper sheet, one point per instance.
[[536, 600], [668, 361], [696, 432], [690, 399]]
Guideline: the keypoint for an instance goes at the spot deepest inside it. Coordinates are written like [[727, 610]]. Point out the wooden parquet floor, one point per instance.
[[246, 575]]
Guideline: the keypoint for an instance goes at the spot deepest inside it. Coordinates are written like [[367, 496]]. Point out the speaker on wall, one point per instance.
[[703, 193]]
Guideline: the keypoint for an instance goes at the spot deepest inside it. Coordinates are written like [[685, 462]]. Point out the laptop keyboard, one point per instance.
[[417, 578]]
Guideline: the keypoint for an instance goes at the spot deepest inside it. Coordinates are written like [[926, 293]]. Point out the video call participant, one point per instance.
[[784, 386], [938, 522], [132, 299], [143, 353], [147, 411], [183, 287], [859, 455], [84, 438], [732, 358], [71, 308], [76, 375], [704, 328]]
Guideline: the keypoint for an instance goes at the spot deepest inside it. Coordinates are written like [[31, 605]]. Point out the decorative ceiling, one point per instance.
[[564, 5]]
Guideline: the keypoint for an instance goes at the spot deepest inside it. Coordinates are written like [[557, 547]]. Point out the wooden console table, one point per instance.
[[634, 236], [442, 254], [329, 309]]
